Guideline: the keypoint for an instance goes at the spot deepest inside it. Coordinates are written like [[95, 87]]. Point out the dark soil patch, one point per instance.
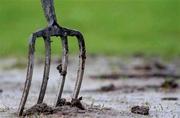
[[131, 89], [67, 111], [106, 76], [1, 90], [107, 88], [63, 106], [145, 69], [142, 110], [74, 103], [39, 109], [125, 88], [170, 98], [150, 65], [136, 75], [169, 84], [47, 110], [77, 103]]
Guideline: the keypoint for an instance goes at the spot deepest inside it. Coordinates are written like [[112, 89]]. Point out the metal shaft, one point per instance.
[[49, 11]]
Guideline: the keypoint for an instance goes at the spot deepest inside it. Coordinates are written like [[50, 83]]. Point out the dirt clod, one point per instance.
[[63, 107], [39, 109], [110, 87], [77, 103], [63, 102], [66, 111], [169, 84], [142, 110]]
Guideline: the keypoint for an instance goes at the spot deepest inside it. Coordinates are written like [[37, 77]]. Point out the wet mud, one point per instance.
[[111, 96], [66, 111], [142, 110], [39, 109], [169, 85], [143, 69], [170, 98]]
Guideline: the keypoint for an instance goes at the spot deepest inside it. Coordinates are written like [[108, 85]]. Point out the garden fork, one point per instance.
[[53, 29]]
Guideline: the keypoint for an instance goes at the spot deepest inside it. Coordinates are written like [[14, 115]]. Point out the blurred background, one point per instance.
[[110, 27], [114, 31]]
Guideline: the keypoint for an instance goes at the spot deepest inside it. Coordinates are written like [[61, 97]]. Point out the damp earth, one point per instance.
[[112, 86]]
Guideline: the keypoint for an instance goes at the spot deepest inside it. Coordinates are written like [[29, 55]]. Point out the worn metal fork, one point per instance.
[[53, 29]]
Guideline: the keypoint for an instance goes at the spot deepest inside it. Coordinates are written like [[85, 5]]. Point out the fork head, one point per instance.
[[47, 33]]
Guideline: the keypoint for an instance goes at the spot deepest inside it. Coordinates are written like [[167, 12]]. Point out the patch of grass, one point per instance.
[[111, 27]]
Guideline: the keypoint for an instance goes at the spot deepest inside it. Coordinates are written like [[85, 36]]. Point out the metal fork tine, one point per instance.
[[82, 58], [46, 69], [29, 74], [63, 68]]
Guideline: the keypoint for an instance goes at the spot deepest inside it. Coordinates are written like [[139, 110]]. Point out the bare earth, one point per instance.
[[110, 103]]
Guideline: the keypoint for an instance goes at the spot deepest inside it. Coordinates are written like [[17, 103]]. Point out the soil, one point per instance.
[[39, 109], [170, 98], [143, 110], [169, 84], [142, 69], [166, 85], [63, 111], [101, 98], [110, 87]]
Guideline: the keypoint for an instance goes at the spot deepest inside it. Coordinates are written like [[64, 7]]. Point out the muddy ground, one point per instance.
[[104, 97]]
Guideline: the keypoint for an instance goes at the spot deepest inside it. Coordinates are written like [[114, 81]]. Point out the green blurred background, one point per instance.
[[110, 27]]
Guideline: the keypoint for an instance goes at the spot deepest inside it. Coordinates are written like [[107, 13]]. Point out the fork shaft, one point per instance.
[[29, 74], [46, 69], [63, 67], [49, 11]]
